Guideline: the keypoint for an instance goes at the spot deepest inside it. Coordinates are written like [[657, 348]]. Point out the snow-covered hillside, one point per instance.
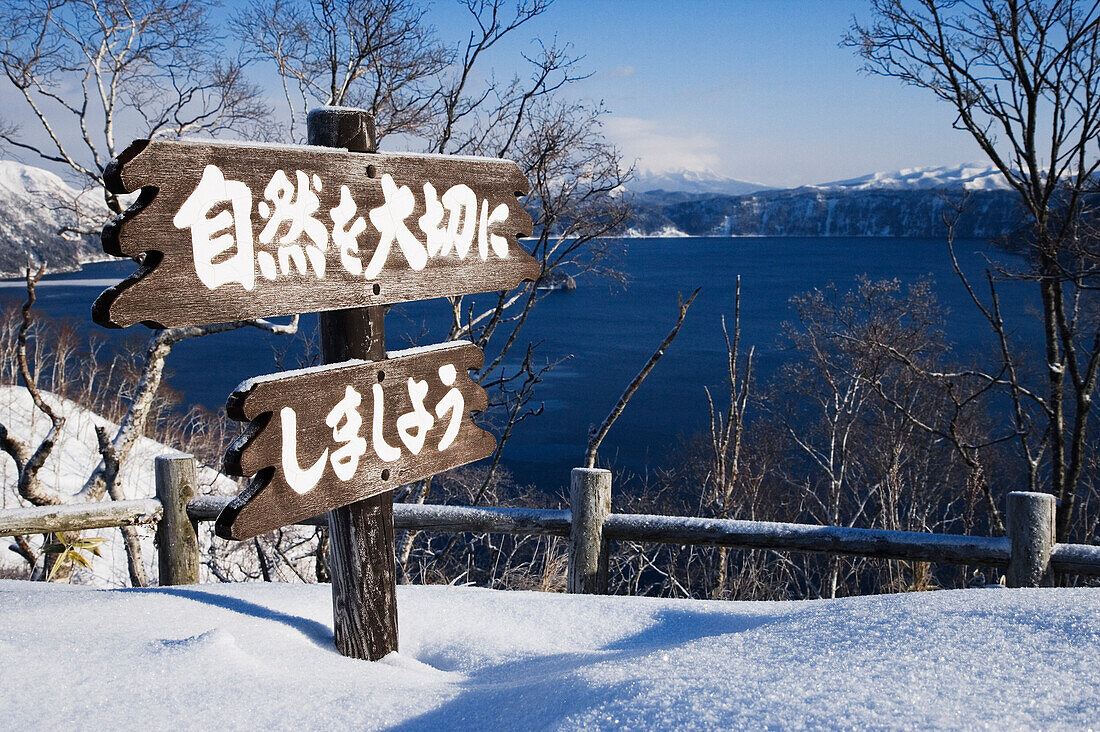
[[41, 215], [692, 181], [910, 203], [970, 177], [261, 656], [69, 465]]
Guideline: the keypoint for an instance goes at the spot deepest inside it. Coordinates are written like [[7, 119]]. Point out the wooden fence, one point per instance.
[[1028, 553]]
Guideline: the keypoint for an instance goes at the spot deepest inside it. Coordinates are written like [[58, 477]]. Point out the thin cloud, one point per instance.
[[659, 149], [619, 72]]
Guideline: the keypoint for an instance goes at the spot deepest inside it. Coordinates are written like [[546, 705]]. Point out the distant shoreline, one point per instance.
[[67, 269]]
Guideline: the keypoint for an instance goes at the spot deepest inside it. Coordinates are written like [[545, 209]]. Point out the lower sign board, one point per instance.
[[324, 437]]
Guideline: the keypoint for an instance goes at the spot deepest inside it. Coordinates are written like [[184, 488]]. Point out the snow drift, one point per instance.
[[261, 656]]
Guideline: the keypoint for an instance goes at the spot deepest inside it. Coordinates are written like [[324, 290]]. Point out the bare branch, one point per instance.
[[597, 435]]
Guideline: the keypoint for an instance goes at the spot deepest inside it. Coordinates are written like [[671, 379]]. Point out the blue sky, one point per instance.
[[755, 89], [758, 90]]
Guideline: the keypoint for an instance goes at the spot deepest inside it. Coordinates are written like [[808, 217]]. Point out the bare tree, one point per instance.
[[597, 434], [844, 346], [1024, 80], [377, 55], [89, 70], [727, 431], [30, 459]]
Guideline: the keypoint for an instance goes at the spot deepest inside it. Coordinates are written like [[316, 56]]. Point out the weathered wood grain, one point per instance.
[[78, 516], [364, 578], [590, 504], [167, 223], [177, 538], [951, 548], [271, 500], [1029, 524]]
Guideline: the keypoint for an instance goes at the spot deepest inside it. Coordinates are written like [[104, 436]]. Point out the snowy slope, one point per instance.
[[971, 177], [71, 463], [692, 181], [260, 656], [39, 213], [909, 202]]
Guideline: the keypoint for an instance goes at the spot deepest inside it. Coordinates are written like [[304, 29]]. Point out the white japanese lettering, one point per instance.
[[386, 452], [461, 203], [345, 422], [300, 481], [413, 427], [345, 232], [294, 242], [453, 402], [211, 236], [389, 219], [295, 206]]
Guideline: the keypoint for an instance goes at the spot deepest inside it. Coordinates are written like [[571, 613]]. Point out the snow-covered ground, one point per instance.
[[260, 656]]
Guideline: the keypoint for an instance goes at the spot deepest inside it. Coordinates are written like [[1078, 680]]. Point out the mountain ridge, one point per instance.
[[44, 219], [911, 202], [41, 214]]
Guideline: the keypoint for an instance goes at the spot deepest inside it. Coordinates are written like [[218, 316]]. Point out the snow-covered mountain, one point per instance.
[[971, 177], [911, 203], [41, 216], [40, 213], [691, 181]]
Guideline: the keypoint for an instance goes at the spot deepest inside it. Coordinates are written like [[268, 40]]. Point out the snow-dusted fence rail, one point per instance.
[[1027, 552], [78, 516]]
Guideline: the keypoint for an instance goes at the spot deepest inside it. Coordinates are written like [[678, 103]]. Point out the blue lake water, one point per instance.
[[608, 332]]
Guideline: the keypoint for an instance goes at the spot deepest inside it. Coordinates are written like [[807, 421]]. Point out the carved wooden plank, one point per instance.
[[233, 231], [374, 425]]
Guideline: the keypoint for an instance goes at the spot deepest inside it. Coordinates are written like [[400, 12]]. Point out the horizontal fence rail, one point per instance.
[[878, 543], [883, 544], [78, 516], [428, 517], [1076, 559], [1028, 552]]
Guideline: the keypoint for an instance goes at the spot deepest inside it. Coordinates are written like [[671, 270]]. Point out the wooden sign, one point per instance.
[[325, 437], [235, 231]]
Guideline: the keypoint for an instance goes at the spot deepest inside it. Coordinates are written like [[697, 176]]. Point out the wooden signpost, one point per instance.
[[229, 232]]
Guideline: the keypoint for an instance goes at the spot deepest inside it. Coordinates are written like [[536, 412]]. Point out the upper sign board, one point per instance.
[[235, 231], [325, 437]]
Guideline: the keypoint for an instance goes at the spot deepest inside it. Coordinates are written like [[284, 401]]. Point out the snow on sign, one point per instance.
[[325, 437], [234, 231]]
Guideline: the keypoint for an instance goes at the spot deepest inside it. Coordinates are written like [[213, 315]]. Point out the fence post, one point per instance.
[[177, 534], [1030, 529], [590, 503]]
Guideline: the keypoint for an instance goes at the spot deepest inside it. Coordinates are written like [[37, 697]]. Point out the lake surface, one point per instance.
[[608, 332]]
